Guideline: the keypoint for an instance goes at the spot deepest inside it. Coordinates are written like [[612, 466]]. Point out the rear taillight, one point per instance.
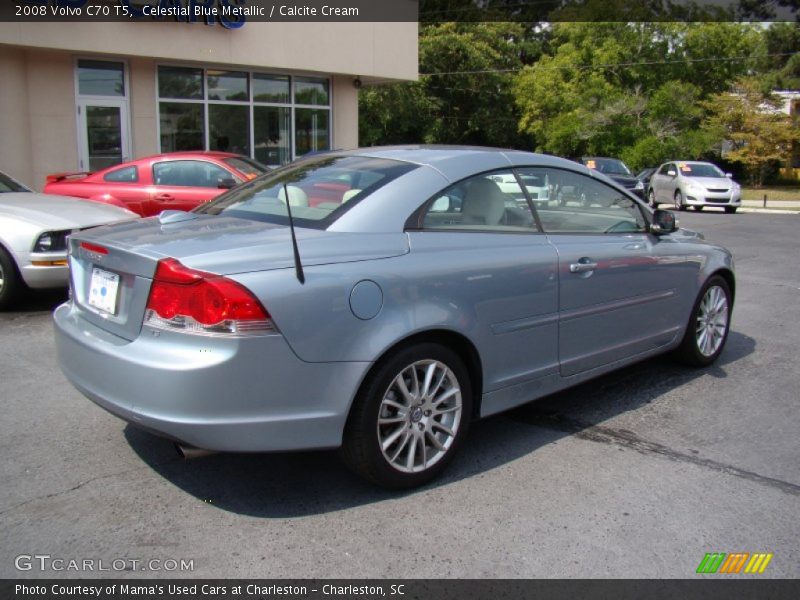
[[183, 299]]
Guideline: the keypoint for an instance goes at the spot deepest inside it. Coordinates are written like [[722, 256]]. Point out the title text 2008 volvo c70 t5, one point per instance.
[[423, 294]]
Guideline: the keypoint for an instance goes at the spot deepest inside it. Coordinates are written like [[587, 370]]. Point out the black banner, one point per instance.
[[235, 13], [409, 589]]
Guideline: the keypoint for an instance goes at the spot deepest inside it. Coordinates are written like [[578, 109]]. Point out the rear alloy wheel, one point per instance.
[[651, 197], [409, 418], [10, 282], [731, 209], [708, 328], [678, 200]]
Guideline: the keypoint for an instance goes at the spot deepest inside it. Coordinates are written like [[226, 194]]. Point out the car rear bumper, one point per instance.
[[236, 395]]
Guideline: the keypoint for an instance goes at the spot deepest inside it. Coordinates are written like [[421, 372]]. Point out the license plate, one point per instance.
[[103, 290]]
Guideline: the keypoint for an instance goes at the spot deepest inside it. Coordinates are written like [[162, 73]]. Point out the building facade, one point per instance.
[[83, 96]]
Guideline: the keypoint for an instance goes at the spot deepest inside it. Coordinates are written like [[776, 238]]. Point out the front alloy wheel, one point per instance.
[[409, 417], [708, 328], [652, 199], [10, 282]]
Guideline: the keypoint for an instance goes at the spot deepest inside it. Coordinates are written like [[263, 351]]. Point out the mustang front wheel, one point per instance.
[[409, 417], [10, 282]]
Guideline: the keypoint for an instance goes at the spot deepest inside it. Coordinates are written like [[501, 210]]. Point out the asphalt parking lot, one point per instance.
[[637, 474]]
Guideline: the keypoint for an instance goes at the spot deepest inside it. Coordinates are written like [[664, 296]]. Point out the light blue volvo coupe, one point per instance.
[[379, 300]]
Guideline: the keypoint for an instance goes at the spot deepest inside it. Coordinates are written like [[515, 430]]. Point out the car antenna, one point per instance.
[[298, 266]]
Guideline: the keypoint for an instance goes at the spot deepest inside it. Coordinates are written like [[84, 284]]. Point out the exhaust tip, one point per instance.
[[190, 452]]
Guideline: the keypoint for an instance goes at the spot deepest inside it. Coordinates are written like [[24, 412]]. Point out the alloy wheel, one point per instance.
[[712, 321], [419, 416]]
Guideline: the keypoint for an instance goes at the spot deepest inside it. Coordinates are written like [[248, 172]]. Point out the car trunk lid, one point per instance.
[[128, 254]]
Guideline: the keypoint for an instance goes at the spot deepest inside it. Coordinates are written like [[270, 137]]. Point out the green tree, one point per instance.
[[753, 124], [464, 94], [626, 88]]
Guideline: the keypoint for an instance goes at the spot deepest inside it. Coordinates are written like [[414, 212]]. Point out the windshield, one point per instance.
[[249, 168], [320, 190], [608, 166], [700, 170], [9, 185]]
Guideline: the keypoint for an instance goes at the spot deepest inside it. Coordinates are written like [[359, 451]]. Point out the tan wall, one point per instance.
[[345, 114], [370, 50], [143, 107], [37, 115], [15, 147]]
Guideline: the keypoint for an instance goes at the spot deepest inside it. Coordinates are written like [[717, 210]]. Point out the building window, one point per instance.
[[271, 118], [181, 126], [101, 78]]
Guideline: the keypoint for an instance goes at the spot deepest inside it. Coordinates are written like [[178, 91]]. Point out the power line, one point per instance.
[[613, 65]]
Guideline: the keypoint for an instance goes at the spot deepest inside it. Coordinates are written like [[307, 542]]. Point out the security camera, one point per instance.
[[357, 82]]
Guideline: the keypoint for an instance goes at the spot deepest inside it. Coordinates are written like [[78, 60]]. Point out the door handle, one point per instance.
[[582, 267], [163, 197]]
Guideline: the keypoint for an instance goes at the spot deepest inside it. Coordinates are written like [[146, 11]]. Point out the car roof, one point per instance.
[[457, 162], [190, 154]]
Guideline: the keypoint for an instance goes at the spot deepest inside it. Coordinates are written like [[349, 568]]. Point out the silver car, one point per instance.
[[33, 236], [379, 300], [696, 184]]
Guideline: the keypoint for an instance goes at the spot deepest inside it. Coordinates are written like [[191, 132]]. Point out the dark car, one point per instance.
[[644, 176], [616, 170]]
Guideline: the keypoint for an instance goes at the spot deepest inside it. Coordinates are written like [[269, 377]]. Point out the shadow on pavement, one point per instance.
[[306, 483]]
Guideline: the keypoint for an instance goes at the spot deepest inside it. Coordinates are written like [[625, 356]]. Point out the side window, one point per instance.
[[664, 169], [488, 202], [579, 204], [189, 173], [123, 175]]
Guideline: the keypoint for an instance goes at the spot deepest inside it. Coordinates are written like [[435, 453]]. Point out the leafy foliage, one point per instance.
[[753, 123], [635, 90]]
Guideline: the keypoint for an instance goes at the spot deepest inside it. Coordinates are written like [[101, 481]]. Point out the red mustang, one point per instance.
[[177, 181]]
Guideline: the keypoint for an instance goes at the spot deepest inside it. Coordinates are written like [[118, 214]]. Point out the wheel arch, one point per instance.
[[457, 342], [729, 278]]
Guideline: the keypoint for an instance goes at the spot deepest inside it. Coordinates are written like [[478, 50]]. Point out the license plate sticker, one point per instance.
[[103, 290]]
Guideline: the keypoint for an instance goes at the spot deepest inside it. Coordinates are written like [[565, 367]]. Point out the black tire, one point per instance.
[[679, 204], [10, 282], [731, 210], [362, 449], [689, 352], [651, 199]]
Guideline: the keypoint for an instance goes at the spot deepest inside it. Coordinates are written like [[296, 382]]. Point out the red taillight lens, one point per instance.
[[208, 299]]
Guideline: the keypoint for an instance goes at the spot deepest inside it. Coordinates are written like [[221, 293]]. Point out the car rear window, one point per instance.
[[320, 190], [249, 168]]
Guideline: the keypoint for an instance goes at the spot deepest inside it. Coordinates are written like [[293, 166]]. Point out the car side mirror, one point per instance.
[[672, 173], [226, 183], [729, 175], [663, 222]]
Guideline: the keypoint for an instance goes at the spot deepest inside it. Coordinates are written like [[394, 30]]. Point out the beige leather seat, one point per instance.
[[297, 197], [483, 204], [350, 194]]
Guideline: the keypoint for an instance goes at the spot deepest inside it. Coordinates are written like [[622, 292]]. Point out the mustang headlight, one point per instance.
[[51, 241]]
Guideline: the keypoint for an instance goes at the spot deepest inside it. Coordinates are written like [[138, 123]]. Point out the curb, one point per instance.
[[768, 211]]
